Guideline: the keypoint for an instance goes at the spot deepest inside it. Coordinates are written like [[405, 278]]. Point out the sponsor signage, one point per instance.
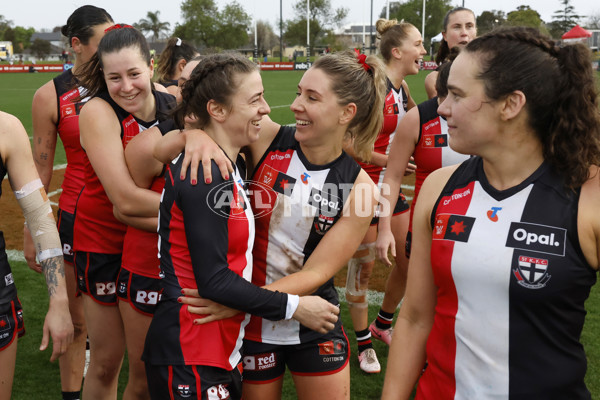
[[539, 238], [36, 67], [277, 66]]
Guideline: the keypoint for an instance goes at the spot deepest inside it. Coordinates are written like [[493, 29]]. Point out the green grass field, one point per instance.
[[36, 378]]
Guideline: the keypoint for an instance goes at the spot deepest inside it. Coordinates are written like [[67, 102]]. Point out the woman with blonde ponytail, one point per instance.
[[401, 47], [313, 205]]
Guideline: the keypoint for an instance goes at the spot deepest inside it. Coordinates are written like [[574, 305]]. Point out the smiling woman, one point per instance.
[[123, 104]]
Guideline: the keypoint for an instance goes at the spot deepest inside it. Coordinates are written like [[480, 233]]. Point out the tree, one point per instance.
[[593, 21], [524, 16], [4, 25], [489, 20], [205, 26], [566, 17], [322, 21], [266, 38], [153, 24], [412, 11], [233, 26], [19, 36], [41, 48]]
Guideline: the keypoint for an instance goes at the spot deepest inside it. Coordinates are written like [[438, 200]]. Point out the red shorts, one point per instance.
[[264, 363], [141, 292], [11, 322], [182, 382], [97, 276]]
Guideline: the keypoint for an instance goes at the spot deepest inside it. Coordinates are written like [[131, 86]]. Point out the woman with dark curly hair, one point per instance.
[[506, 246]]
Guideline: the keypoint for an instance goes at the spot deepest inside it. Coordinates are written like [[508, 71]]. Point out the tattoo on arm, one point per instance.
[[44, 156], [53, 269]]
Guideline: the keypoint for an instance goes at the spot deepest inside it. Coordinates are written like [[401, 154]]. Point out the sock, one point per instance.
[[384, 320], [71, 395], [363, 338]]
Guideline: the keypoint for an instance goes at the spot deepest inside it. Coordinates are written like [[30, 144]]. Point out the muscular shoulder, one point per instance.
[[44, 101]]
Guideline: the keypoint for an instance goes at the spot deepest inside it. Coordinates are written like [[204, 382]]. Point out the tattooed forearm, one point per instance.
[[53, 270]]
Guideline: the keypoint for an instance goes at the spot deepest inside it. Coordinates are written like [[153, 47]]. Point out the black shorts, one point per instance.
[[11, 322], [65, 222], [142, 292], [97, 276], [193, 382], [264, 363], [401, 207]]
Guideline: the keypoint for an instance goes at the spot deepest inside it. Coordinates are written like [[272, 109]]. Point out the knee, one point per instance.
[[79, 330]]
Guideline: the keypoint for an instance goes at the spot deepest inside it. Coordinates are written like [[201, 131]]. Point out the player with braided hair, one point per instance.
[[506, 246], [314, 205], [401, 47], [206, 244]]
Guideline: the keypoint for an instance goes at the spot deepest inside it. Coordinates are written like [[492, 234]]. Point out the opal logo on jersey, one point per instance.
[[492, 214], [531, 272], [539, 238], [326, 202]]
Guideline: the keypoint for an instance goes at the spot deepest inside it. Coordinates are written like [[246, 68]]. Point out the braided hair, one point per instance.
[[561, 92], [214, 78]]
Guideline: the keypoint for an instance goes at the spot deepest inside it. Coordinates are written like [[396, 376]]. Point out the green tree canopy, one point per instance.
[[412, 11], [205, 26], [565, 18], [524, 16], [154, 25], [41, 48], [488, 20], [323, 20]]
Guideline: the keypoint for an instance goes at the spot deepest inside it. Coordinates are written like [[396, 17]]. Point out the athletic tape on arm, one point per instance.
[[38, 215]]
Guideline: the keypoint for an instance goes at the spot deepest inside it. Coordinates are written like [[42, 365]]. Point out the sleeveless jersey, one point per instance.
[[68, 129], [432, 150], [295, 203], [512, 281], [8, 291], [395, 107], [140, 248], [96, 229], [206, 234]]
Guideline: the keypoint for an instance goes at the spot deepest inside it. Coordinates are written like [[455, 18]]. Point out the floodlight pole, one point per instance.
[[307, 30], [280, 30], [423, 23]]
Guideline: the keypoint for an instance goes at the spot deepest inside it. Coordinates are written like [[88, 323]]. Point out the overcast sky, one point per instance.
[[41, 14]]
